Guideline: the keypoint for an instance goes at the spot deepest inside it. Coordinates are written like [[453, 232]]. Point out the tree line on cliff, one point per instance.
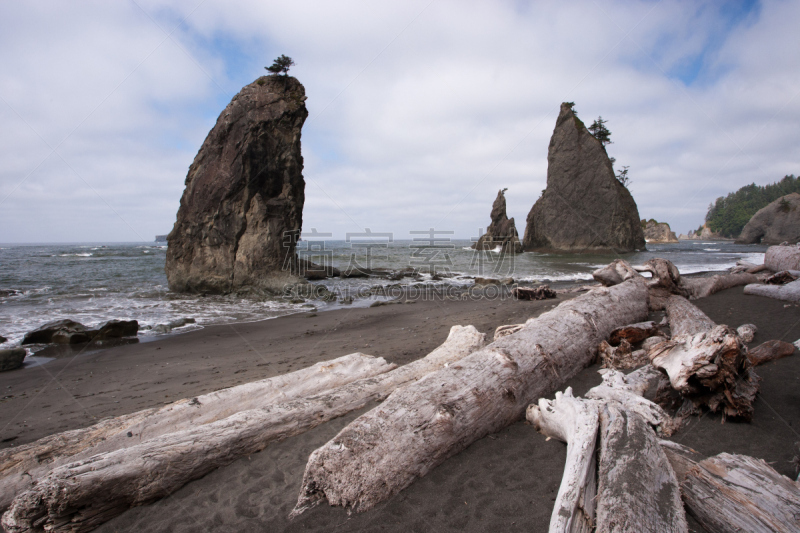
[[729, 214]]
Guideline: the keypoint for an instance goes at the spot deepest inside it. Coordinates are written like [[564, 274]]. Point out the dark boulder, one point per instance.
[[312, 271], [115, 329], [64, 331], [502, 231], [776, 223], [68, 331], [584, 208], [11, 359], [241, 212]]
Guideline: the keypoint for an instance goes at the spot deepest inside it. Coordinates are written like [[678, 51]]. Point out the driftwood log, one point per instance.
[[615, 273], [420, 426], [686, 318], [79, 496], [576, 422], [781, 278], [789, 292], [705, 362], [708, 285], [641, 495], [22, 465], [542, 292], [735, 492], [724, 493], [769, 351], [666, 280], [629, 392], [621, 357], [637, 488], [745, 266], [782, 257]]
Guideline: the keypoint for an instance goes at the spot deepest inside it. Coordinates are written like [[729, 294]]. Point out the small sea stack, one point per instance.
[[502, 232], [584, 207], [242, 210]]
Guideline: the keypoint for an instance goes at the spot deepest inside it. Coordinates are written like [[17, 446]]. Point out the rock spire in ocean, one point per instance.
[[242, 210], [502, 231], [584, 207]]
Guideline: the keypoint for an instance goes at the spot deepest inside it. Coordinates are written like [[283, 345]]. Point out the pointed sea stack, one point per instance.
[[584, 208], [502, 231], [242, 210]]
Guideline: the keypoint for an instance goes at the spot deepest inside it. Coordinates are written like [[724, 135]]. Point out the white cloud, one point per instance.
[[419, 111]]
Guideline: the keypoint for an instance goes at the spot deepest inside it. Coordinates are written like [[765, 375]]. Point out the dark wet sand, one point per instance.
[[504, 482]]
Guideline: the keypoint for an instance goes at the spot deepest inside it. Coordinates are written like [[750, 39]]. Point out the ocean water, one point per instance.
[[96, 282]]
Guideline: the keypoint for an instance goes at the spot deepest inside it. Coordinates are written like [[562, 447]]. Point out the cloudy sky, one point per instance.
[[419, 111]]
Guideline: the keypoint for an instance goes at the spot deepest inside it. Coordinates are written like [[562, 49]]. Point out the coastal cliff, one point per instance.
[[776, 223], [241, 212], [658, 232], [502, 231], [584, 207]]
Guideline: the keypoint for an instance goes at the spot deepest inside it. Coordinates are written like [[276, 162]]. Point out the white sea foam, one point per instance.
[[76, 255], [711, 249]]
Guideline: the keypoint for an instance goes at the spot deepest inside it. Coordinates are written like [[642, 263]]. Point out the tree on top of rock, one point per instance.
[[571, 106], [281, 65], [600, 132]]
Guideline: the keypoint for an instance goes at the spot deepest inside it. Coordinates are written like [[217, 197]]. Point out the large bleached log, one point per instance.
[[685, 318], [21, 466], [420, 426], [637, 488], [735, 492], [789, 292], [574, 421], [78, 496], [782, 257]]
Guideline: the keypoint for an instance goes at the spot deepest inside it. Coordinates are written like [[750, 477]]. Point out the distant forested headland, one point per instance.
[[728, 215]]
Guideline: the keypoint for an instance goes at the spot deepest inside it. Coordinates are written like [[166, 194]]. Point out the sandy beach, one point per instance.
[[504, 482]]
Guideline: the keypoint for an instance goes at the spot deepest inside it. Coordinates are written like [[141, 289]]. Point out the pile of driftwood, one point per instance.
[[435, 407]]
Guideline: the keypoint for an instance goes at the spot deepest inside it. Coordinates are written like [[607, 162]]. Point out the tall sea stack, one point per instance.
[[584, 207], [242, 210]]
